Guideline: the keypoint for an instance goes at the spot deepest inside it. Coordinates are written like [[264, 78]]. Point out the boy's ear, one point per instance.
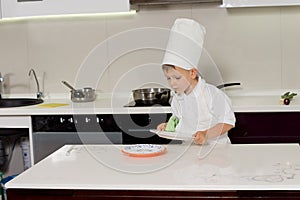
[[194, 73]]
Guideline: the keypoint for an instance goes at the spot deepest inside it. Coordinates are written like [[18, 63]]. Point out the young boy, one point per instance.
[[201, 109]]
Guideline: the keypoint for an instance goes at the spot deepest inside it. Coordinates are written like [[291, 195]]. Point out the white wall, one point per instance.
[[257, 46]]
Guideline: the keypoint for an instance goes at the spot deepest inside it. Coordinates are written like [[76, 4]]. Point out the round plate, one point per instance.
[[144, 150], [172, 135]]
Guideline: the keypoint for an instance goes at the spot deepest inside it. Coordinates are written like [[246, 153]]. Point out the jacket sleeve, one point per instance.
[[221, 107]]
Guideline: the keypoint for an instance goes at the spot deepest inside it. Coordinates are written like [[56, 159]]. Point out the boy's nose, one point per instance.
[[172, 82]]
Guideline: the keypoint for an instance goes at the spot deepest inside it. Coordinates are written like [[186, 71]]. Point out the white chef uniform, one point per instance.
[[206, 105], [202, 109]]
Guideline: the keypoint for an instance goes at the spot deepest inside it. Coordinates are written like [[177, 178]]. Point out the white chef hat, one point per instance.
[[185, 44]]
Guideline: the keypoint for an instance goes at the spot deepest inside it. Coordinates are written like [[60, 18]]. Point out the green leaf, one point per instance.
[[285, 95], [288, 95]]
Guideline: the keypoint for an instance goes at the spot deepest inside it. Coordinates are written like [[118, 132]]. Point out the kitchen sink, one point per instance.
[[17, 102]]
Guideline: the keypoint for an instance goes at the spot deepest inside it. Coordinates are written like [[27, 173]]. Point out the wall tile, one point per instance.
[[290, 31], [244, 43], [59, 47], [257, 46], [138, 42], [14, 57]]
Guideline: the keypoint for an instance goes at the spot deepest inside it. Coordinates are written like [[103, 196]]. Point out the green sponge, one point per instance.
[[172, 123]]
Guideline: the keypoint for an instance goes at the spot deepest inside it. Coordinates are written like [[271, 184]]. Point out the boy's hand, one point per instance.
[[161, 127], [200, 137]]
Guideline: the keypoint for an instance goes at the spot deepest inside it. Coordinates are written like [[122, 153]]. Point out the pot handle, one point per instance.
[[227, 85], [158, 96]]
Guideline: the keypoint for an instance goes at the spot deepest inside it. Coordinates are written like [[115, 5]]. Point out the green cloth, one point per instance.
[[172, 123]]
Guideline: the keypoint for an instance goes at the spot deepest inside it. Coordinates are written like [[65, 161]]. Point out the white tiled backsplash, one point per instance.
[[257, 46]]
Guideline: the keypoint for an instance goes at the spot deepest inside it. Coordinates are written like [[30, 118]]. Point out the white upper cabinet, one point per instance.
[[256, 3], [24, 8]]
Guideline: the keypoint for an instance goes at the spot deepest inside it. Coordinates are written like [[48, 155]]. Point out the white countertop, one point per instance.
[[246, 101], [104, 104], [184, 167], [262, 101]]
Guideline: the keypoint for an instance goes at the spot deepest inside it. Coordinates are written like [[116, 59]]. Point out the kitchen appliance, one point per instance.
[[50, 132], [134, 104]]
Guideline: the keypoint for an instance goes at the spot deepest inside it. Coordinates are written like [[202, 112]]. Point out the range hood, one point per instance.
[[167, 2], [26, 8]]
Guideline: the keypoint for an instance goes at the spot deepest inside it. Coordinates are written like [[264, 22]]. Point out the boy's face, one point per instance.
[[180, 80]]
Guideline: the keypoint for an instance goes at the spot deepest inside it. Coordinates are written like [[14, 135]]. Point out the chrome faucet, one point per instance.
[[1, 85], [39, 94]]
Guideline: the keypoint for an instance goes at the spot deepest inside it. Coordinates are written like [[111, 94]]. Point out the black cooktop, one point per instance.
[[134, 104]]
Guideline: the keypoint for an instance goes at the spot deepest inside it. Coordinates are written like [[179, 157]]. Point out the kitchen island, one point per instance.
[[184, 171]]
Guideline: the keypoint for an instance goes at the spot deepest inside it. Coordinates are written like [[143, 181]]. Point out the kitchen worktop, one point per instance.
[[183, 167], [250, 101], [104, 104]]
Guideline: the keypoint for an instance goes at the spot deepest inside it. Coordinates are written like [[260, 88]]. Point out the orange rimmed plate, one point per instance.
[[144, 150]]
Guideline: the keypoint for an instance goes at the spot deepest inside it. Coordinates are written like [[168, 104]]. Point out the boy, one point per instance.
[[201, 109]]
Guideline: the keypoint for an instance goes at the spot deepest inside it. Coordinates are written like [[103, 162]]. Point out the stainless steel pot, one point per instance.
[[81, 95], [151, 96]]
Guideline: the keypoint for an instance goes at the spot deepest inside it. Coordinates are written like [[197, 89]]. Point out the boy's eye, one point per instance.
[[176, 77]]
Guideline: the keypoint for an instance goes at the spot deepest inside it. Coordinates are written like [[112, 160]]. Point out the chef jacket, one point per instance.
[[202, 109]]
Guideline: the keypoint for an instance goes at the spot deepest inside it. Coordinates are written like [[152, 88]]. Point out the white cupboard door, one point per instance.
[[22, 8], [256, 3]]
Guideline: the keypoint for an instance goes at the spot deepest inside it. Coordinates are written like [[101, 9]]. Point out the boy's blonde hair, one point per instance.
[[167, 67]]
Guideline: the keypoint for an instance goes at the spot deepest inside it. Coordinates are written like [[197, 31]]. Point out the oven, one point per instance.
[[50, 132]]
